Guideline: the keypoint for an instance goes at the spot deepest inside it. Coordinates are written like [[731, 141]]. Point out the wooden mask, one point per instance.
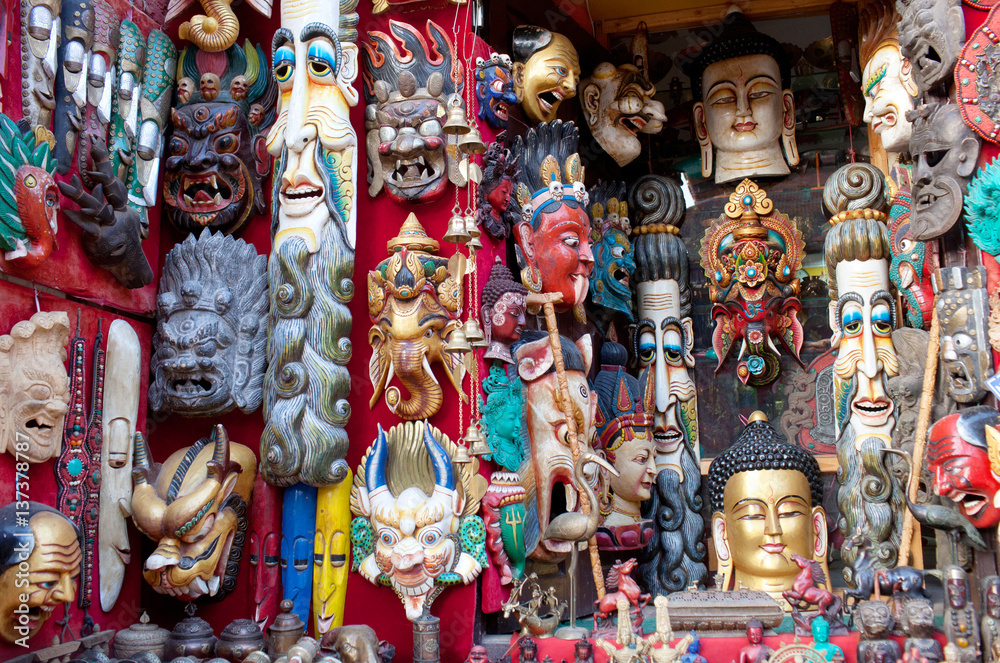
[[216, 158], [71, 77], [193, 506], [29, 199], [40, 36], [125, 96], [213, 293], [34, 387], [100, 84], [413, 303], [313, 233], [751, 256]]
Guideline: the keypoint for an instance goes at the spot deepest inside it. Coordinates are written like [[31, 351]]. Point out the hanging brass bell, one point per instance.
[[457, 124], [477, 443], [474, 245], [462, 456], [474, 334], [457, 342], [457, 232], [472, 226], [472, 142]]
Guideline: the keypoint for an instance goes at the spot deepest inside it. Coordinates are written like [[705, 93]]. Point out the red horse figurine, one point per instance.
[[804, 591], [621, 586]]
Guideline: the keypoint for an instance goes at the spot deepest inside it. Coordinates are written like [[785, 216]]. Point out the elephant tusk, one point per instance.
[[743, 349], [427, 367], [770, 344]]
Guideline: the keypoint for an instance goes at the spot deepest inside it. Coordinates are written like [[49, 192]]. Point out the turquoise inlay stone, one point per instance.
[[75, 467], [965, 81]]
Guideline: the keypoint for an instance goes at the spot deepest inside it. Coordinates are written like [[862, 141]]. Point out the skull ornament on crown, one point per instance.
[[416, 528], [413, 303], [752, 255], [34, 386], [613, 262], [193, 506], [553, 234], [216, 155], [494, 89], [211, 332], [407, 93]]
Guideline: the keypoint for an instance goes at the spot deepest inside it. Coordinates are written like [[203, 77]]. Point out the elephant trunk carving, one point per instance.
[[215, 32], [414, 372]]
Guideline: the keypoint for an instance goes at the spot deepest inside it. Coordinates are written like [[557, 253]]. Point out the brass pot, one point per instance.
[[239, 639], [285, 631], [141, 637], [191, 637]]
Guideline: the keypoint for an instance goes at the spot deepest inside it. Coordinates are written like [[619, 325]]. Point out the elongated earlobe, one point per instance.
[[788, 144]]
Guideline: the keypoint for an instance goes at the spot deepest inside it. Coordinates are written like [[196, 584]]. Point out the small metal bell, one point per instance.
[[474, 245], [457, 124], [457, 232], [472, 142], [457, 342], [462, 456], [477, 443], [474, 333], [472, 226]]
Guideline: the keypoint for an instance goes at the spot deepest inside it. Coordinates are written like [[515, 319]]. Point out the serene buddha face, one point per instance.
[[743, 105], [768, 518], [546, 78]]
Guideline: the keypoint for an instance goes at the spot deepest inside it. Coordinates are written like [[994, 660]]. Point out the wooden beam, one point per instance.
[[714, 13]]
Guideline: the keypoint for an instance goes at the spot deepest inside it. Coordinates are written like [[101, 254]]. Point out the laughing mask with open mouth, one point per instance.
[[618, 104], [211, 332], [34, 387], [193, 507], [216, 156], [547, 473], [47, 544], [963, 309], [546, 71], [406, 93], [961, 449]]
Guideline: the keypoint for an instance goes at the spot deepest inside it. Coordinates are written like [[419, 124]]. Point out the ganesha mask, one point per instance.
[[71, 78], [34, 387], [751, 256], [40, 35], [193, 506], [963, 306], [211, 333], [618, 104], [494, 89], [416, 528], [413, 303], [549, 467], [613, 261], [406, 93], [216, 155], [29, 199]]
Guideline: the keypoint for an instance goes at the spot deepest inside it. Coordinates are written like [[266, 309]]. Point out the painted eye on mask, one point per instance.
[[852, 323], [672, 353], [40, 23], [618, 252], [429, 537], [497, 85], [647, 347], [322, 62], [962, 341], [387, 537], [178, 146], [284, 67], [430, 128], [74, 56], [227, 144], [96, 71], [881, 320]]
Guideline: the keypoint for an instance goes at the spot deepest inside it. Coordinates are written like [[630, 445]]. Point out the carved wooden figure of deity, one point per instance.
[[752, 255]]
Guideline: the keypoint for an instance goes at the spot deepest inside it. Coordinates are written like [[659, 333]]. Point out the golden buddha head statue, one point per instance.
[[768, 520]]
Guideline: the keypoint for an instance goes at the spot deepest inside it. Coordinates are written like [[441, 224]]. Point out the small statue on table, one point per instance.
[[693, 653], [821, 640], [756, 651], [918, 623], [989, 627], [874, 620], [960, 624]]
